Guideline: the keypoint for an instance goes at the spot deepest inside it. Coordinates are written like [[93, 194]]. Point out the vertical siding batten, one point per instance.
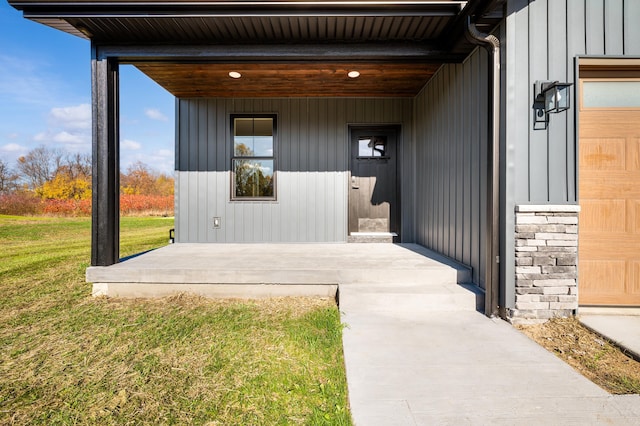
[[557, 70], [473, 64], [594, 23], [631, 27], [614, 27], [458, 229], [518, 109], [483, 76], [538, 70], [466, 167], [576, 45]]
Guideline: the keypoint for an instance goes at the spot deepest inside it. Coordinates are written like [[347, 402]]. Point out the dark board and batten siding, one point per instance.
[[312, 163], [450, 116]]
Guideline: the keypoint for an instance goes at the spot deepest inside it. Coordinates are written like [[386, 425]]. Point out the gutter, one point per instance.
[[492, 272]]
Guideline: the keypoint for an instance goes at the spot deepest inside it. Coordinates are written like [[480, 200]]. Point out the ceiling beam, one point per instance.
[[325, 52]]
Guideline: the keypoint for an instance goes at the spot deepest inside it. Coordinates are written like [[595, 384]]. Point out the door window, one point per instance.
[[372, 147]]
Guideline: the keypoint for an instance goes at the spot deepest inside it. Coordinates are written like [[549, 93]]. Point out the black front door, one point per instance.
[[373, 199]]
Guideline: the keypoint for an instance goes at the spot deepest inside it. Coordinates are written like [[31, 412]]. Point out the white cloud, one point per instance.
[[13, 135], [165, 153], [65, 137], [155, 114], [130, 145], [69, 141], [72, 117], [12, 147], [68, 127], [42, 136]]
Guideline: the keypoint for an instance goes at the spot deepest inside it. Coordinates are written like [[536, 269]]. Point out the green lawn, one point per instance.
[[67, 358]]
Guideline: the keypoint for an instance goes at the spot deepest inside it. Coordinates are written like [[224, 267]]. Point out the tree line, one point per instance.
[[60, 181]]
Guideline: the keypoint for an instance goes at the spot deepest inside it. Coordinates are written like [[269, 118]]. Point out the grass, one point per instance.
[[67, 358]]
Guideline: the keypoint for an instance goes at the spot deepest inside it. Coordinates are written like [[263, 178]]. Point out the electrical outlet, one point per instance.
[[216, 223]]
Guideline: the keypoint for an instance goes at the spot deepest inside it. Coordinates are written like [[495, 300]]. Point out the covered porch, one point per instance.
[[319, 70], [395, 271]]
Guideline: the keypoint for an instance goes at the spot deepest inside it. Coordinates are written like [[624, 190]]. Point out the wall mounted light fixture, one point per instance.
[[551, 97]]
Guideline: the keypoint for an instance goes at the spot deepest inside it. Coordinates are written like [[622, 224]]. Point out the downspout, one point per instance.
[[492, 272]]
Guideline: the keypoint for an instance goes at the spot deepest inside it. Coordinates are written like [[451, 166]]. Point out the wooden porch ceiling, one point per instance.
[[290, 80], [430, 32]]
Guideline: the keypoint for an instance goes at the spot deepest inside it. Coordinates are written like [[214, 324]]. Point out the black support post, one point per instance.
[[105, 214]]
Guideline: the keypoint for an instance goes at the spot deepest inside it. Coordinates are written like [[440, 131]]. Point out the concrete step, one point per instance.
[[430, 275], [371, 237], [399, 299]]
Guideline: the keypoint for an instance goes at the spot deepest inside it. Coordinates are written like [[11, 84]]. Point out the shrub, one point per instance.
[[58, 207], [26, 203], [20, 203], [153, 205]]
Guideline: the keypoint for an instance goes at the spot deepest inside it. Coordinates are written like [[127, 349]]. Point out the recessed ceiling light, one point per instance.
[[234, 74], [354, 74]]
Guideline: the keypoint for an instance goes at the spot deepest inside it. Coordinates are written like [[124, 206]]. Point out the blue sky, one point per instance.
[[45, 98]]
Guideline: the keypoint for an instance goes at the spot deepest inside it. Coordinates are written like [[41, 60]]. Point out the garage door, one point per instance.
[[609, 185]]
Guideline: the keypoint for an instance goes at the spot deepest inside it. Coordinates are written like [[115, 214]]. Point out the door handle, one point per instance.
[[354, 182]]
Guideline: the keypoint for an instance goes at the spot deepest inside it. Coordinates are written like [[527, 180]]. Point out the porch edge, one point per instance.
[[220, 291]]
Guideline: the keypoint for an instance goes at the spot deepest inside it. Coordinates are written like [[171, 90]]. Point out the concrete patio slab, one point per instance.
[[265, 270]]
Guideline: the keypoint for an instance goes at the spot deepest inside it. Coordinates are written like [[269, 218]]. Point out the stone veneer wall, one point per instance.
[[546, 263]]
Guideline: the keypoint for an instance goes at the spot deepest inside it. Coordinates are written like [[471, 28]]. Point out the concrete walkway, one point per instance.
[[616, 325], [407, 365]]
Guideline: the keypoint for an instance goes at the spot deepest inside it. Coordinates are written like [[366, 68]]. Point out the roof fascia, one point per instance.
[[78, 9]]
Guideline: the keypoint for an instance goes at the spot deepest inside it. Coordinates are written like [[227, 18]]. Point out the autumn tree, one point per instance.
[[8, 179], [139, 179], [39, 165], [165, 184], [79, 165], [71, 180]]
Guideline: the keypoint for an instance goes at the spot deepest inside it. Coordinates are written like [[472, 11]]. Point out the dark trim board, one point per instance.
[[35, 9]]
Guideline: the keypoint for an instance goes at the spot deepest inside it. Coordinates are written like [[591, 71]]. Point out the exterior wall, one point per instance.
[[312, 163], [542, 41], [450, 116]]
